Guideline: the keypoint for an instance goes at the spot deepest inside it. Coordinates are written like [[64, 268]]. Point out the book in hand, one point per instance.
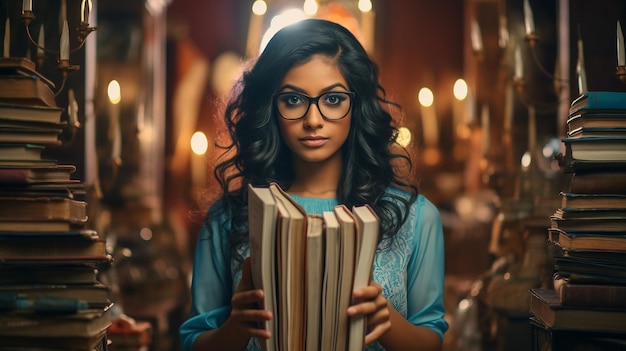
[[291, 252], [347, 263], [546, 307], [262, 214], [367, 224], [589, 295], [592, 101], [25, 115], [335, 237]]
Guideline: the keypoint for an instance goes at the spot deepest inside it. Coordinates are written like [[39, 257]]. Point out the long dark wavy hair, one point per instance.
[[257, 154]]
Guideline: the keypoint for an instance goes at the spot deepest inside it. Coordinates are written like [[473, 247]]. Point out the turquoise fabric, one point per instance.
[[411, 272]]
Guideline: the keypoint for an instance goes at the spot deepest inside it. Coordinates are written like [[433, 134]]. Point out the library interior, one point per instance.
[[513, 113]]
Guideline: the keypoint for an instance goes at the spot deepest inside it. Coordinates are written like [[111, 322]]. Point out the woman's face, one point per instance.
[[314, 138]]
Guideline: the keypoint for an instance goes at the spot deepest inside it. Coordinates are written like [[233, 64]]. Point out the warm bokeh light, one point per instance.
[[460, 89], [310, 7], [526, 159], [365, 5], [259, 7], [426, 97], [114, 92], [199, 143], [279, 21], [404, 136]]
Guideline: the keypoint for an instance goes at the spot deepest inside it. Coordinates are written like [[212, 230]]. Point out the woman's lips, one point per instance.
[[313, 141]]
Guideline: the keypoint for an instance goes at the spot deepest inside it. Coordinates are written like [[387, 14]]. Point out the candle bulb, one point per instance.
[[476, 37], [621, 52], [519, 64], [503, 31], [65, 44], [85, 10], [484, 121], [430, 128], [529, 21], [63, 12], [7, 39], [114, 93], [367, 24], [41, 42], [460, 91], [580, 69], [27, 5]]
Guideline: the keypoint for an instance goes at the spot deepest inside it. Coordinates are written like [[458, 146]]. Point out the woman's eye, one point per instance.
[[293, 99], [333, 99]]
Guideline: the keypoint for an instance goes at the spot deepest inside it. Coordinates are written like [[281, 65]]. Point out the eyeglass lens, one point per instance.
[[332, 104]]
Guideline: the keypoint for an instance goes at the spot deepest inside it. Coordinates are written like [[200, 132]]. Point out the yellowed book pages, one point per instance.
[[314, 279], [262, 233], [346, 275], [292, 253], [367, 226]]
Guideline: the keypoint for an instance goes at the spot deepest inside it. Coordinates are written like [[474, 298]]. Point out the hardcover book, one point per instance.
[[596, 148], [26, 90], [320, 259], [30, 114], [546, 307], [599, 101], [589, 295]]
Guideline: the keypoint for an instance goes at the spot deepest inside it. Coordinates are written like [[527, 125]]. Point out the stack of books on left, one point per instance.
[[50, 296], [589, 226]]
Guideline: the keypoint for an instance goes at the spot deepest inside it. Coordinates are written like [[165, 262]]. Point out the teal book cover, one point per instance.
[[599, 100]]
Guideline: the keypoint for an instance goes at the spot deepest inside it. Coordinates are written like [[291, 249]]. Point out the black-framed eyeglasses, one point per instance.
[[333, 105]]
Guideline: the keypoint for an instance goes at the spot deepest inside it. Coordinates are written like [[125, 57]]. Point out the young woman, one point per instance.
[[311, 116]]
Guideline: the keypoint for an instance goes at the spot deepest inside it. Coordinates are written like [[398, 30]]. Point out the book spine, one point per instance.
[[588, 295]]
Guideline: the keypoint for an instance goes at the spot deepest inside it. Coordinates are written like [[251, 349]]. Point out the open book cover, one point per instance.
[[308, 266]]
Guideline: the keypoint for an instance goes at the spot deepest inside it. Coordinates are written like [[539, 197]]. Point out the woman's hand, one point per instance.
[[245, 317], [373, 305]]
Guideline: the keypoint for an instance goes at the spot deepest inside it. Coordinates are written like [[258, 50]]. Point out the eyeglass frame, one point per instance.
[[311, 100]]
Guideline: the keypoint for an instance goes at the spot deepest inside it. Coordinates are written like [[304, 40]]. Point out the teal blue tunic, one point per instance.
[[411, 272]]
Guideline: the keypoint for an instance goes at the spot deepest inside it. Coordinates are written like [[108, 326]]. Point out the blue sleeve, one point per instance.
[[211, 287], [425, 280]]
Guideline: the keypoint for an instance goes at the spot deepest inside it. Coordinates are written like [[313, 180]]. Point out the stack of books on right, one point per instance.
[[50, 296], [308, 266], [587, 303]]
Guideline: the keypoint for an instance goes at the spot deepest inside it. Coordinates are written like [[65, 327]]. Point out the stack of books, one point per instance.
[[308, 266], [589, 227], [50, 295]]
